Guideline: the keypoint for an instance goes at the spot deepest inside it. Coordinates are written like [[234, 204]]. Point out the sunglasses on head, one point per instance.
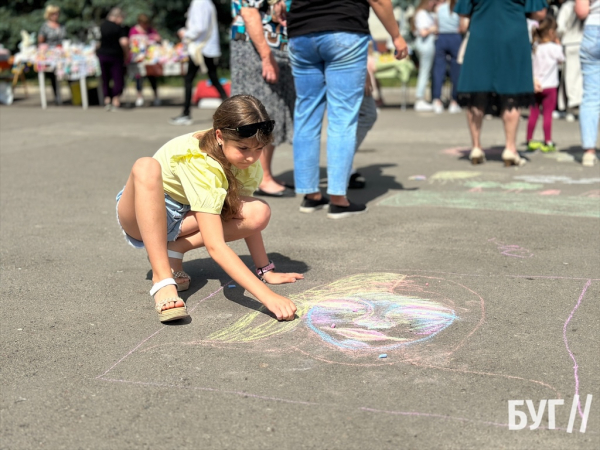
[[246, 131]]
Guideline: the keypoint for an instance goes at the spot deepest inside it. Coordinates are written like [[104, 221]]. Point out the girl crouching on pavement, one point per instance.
[[204, 181]]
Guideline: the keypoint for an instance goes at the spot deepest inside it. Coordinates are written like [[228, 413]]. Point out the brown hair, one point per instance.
[[143, 19], [542, 33], [234, 112]]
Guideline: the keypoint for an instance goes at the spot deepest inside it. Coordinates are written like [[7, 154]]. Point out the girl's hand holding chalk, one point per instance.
[[282, 307], [272, 277]]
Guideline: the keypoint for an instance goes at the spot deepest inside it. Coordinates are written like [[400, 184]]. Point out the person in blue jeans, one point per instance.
[[328, 45], [589, 55], [447, 44]]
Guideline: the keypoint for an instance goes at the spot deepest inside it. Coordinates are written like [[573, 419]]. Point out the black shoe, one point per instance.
[[341, 212], [357, 181], [309, 206]]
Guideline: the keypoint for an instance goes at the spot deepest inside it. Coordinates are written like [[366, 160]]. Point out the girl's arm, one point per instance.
[[211, 229], [582, 8], [259, 256]]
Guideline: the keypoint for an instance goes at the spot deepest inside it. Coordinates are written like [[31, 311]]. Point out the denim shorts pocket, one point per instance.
[[344, 39]]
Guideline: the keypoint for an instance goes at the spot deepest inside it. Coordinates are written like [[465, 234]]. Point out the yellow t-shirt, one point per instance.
[[193, 178]]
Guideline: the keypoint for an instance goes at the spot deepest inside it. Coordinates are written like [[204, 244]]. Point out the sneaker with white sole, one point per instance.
[[438, 107], [341, 212], [181, 120], [309, 206], [454, 108], [423, 106], [570, 117], [139, 102]]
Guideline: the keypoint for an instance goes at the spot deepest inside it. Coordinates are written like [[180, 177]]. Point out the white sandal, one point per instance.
[[168, 314], [180, 274]]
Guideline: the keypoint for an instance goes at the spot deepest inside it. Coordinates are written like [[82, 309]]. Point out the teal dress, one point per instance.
[[497, 71]]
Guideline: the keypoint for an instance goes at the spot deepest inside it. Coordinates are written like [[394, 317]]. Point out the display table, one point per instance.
[[388, 67]]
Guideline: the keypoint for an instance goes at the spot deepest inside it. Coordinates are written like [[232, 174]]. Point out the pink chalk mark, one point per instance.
[[575, 366], [476, 189], [551, 192], [593, 194]]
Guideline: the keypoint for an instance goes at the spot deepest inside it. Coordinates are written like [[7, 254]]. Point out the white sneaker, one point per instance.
[[589, 159], [423, 106], [438, 107], [570, 117], [139, 102], [181, 120], [454, 108]]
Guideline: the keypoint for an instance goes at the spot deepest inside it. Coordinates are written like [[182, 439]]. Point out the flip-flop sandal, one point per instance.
[[287, 192], [171, 314], [180, 274], [286, 184]]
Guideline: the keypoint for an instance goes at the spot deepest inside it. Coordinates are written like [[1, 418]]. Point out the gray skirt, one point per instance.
[[279, 98]]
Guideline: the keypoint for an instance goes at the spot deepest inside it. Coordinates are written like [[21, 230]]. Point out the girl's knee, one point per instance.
[[146, 169], [259, 215]]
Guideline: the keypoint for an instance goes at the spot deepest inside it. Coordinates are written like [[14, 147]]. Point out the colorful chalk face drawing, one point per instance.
[[378, 320], [360, 316]]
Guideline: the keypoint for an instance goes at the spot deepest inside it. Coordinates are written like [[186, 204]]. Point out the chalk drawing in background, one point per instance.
[[478, 186], [552, 179], [575, 206], [450, 176], [516, 251]]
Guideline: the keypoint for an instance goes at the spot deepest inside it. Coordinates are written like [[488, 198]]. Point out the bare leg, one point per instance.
[[475, 121], [511, 117], [254, 217], [142, 216], [268, 183], [338, 200]]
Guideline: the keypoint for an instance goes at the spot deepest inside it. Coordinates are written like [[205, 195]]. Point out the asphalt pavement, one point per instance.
[[463, 291]]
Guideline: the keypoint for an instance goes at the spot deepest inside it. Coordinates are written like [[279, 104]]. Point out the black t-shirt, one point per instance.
[[110, 33], [312, 16]]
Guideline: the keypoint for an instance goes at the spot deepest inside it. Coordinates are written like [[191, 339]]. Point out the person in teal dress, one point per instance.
[[496, 75]]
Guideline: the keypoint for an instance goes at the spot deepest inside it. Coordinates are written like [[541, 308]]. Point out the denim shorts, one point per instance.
[[175, 214]]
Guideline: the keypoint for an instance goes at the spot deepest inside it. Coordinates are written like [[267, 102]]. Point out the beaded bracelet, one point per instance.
[[262, 270]]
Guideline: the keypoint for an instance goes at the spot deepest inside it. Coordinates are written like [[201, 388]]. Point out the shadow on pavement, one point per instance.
[[203, 269], [377, 184]]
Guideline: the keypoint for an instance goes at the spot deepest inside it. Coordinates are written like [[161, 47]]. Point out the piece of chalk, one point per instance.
[[426, 284], [231, 286], [383, 355], [333, 325]]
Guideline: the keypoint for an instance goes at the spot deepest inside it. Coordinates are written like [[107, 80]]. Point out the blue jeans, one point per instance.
[[425, 48], [589, 110], [446, 45], [329, 69]]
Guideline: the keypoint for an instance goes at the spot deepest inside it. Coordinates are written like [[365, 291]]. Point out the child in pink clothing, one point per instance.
[[547, 55], [142, 35]]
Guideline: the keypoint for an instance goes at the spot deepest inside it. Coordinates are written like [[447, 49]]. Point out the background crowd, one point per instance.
[[500, 57]]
